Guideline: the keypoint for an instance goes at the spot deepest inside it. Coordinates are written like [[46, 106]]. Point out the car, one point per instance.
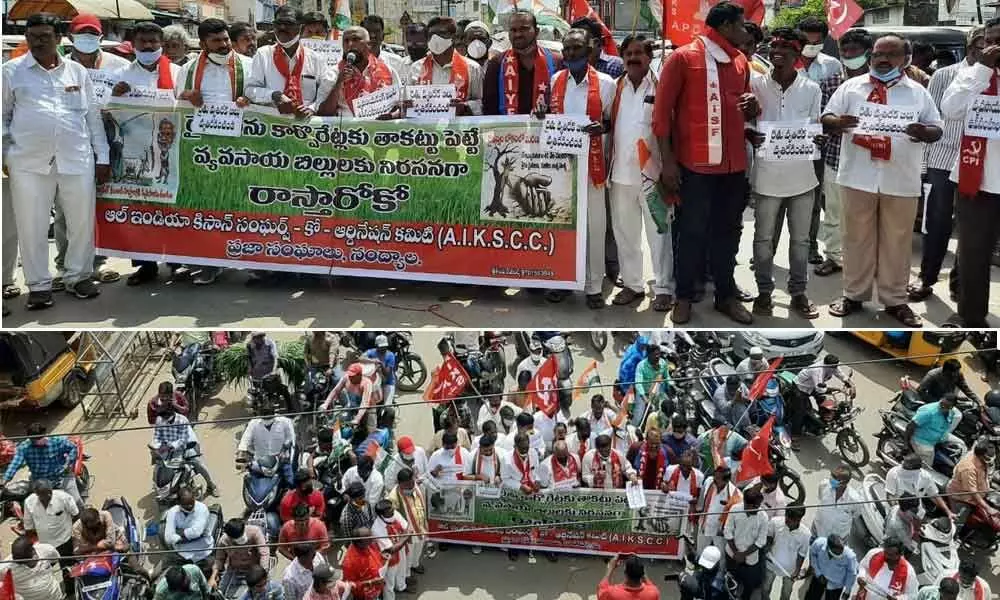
[[798, 348]]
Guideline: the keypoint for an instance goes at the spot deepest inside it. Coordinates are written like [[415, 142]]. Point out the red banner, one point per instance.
[[841, 15], [448, 381], [542, 387], [580, 9]]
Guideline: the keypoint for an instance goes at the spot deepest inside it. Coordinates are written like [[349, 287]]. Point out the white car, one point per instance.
[[798, 347]]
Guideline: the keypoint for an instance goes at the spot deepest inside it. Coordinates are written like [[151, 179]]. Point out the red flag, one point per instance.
[[448, 381], [580, 9], [840, 15], [542, 387], [7, 586], [760, 384], [753, 10], [755, 460]]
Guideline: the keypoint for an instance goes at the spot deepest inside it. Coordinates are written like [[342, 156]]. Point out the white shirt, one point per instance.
[[815, 374], [318, 80], [261, 441], [883, 578], [397, 63], [50, 118], [529, 365], [215, 83], [109, 69], [789, 546], [970, 83], [683, 490], [53, 523], [296, 580], [380, 530], [899, 176], [746, 531], [553, 475], [588, 471], [800, 102], [138, 76], [711, 523], [450, 468], [575, 102], [511, 476], [40, 582], [442, 74], [600, 425], [534, 439], [633, 122], [490, 466], [419, 467], [835, 516], [374, 487], [345, 108], [964, 593], [919, 483], [199, 542], [547, 426], [486, 413], [574, 442]]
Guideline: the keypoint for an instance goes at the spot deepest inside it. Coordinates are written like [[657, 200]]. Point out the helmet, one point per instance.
[[381, 341], [992, 398], [556, 344], [772, 388]]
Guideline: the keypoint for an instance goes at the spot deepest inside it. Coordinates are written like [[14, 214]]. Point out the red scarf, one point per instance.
[[660, 466], [479, 463], [972, 155], [582, 450], [411, 515], [363, 565], [293, 80], [675, 480], [879, 146], [235, 84], [898, 582], [164, 79], [595, 113], [708, 109], [393, 529], [616, 471], [459, 75], [375, 76], [735, 498], [561, 473], [524, 466], [511, 77], [978, 591]]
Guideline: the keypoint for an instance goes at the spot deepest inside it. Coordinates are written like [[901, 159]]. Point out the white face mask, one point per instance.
[[86, 43], [148, 58], [476, 49], [536, 358], [290, 43], [219, 58], [812, 50], [438, 45], [242, 540]]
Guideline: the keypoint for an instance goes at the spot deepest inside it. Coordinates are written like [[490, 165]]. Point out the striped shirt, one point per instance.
[[944, 153], [831, 150]]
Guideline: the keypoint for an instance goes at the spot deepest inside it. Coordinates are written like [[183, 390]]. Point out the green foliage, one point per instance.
[[233, 363], [789, 17]]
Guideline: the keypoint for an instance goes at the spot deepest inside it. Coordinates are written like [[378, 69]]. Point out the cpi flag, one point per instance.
[[756, 461], [542, 387], [685, 19], [580, 9], [840, 15], [448, 382]]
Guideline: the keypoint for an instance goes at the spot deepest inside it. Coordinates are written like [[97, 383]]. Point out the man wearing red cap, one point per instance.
[[52, 131], [218, 75], [361, 394], [410, 456], [104, 69]]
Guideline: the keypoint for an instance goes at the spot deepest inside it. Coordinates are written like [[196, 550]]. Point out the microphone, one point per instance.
[[352, 58]]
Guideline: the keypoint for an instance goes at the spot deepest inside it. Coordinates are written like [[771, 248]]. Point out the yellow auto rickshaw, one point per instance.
[[38, 369], [922, 348]]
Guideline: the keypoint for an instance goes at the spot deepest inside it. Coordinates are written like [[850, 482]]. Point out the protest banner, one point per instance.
[[472, 200], [883, 120], [983, 119], [605, 523]]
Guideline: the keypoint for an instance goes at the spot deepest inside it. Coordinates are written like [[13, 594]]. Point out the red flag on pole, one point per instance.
[[7, 586], [760, 384], [542, 387], [448, 381], [840, 15], [580, 9], [756, 461]]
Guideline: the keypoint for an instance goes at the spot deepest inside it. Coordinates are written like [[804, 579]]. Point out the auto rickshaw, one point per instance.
[[922, 348], [38, 369]]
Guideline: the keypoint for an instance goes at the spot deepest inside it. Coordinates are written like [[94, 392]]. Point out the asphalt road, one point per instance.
[[120, 465], [324, 302]]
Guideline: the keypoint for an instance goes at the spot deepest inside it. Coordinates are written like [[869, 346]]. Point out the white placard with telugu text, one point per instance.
[[375, 104], [219, 118], [564, 134], [983, 118], [789, 140], [884, 120], [431, 101]]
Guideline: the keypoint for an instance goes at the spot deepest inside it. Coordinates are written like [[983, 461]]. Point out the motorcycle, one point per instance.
[[172, 557], [107, 576], [12, 498], [411, 370], [195, 375], [989, 351], [173, 471], [835, 413], [938, 550], [262, 487], [330, 466], [981, 532]]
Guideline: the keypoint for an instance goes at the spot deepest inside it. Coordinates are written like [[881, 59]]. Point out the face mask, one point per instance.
[[476, 49], [812, 50], [86, 43], [894, 74], [221, 59], [834, 483], [831, 554], [242, 540], [576, 65], [536, 358], [408, 458], [267, 421], [290, 43], [148, 58], [438, 44]]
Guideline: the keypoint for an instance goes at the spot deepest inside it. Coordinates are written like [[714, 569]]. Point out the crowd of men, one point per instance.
[[867, 188]]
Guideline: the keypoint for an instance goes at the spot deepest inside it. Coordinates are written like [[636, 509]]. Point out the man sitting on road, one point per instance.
[[933, 424], [944, 380], [187, 532]]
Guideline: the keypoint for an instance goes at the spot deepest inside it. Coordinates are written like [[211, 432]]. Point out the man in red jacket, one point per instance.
[[303, 493]]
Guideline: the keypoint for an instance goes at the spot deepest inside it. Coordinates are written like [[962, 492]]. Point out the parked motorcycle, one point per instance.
[[411, 370], [891, 448], [981, 532], [938, 550], [195, 375], [173, 471], [108, 576], [171, 557], [12, 498]]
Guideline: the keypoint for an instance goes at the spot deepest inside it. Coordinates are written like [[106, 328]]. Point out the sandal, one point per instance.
[[627, 296], [107, 276], [905, 315], [918, 292], [663, 303], [845, 306], [804, 306], [11, 291], [595, 301], [827, 268]]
